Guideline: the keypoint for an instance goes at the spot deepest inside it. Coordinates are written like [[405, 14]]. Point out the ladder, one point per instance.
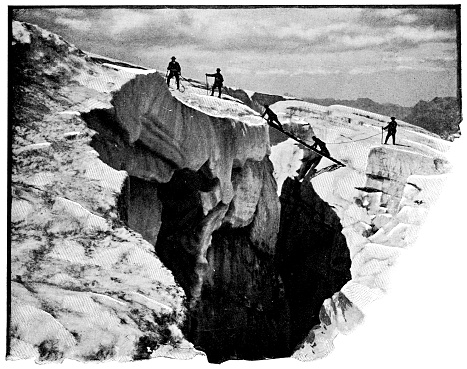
[[329, 168], [308, 146]]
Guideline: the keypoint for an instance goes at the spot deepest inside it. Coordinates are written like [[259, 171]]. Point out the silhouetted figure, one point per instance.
[[392, 128], [218, 81], [311, 159], [174, 71], [272, 117]]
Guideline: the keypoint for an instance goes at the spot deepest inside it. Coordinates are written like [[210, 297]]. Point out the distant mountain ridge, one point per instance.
[[441, 115], [365, 103]]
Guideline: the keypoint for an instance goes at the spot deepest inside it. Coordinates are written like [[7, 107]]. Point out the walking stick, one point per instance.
[[382, 135], [207, 87]]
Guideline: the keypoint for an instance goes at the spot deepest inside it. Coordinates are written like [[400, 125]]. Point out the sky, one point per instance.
[[395, 55]]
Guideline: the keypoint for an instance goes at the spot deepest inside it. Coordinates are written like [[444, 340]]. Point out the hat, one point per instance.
[[173, 57], [266, 105], [218, 69], [392, 118]]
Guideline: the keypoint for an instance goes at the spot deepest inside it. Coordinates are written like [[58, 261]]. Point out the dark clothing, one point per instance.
[[392, 129], [272, 118], [218, 79], [392, 126], [174, 67], [393, 134], [218, 82], [177, 78], [321, 145], [312, 159], [175, 71], [214, 87]]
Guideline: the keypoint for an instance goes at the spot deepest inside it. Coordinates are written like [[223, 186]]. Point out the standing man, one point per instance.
[[311, 159], [392, 128], [218, 81], [174, 71], [272, 117]]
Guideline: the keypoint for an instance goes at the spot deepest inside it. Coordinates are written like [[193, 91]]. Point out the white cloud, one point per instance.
[[416, 67], [76, 24], [389, 13], [297, 72], [419, 34], [364, 70], [406, 68], [283, 72], [70, 12], [407, 18], [360, 40], [122, 20], [398, 59]]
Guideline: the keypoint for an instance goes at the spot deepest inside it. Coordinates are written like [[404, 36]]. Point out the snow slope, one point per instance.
[[83, 286]]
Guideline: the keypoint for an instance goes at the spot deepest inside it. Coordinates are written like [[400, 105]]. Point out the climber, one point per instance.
[[272, 118], [218, 81], [311, 159], [174, 71], [392, 128]]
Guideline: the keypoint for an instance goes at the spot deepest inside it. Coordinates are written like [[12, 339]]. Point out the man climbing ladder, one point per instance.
[[311, 158], [272, 118]]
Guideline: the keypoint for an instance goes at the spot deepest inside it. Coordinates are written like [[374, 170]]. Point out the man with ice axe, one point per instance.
[[392, 128], [218, 81]]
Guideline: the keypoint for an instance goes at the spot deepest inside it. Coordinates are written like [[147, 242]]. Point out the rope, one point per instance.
[[299, 140], [339, 143], [183, 78], [182, 87]]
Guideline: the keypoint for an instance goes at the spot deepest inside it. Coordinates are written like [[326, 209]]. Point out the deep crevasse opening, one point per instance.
[[255, 278]]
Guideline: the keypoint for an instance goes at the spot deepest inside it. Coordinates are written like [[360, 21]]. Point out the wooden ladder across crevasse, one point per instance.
[[308, 146]]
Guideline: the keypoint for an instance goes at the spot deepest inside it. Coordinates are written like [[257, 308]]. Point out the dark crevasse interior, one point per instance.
[[312, 254], [241, 311], [244, 300]]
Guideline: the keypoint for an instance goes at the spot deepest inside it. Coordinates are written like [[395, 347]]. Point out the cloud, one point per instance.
[[298, 72], [440, 18], [81, 25], [263, 30], [121, 21], [360, 41], [399, 65], [418, 35], [408, 18], [365, 70], [71, 12], [264, 42]]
